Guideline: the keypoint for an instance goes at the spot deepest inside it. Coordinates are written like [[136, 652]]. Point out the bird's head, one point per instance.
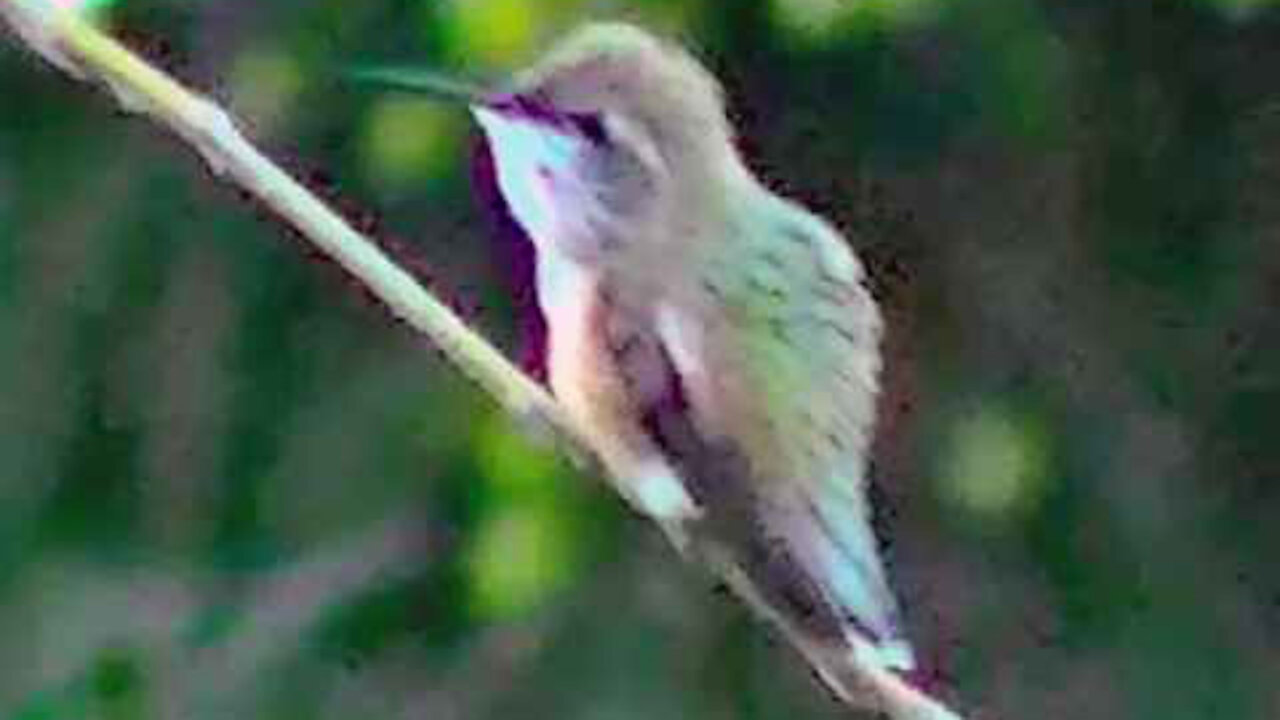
[[611, 132], [602, 134]]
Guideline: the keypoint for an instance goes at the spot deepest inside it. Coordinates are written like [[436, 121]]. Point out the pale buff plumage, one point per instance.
[[716, 342]]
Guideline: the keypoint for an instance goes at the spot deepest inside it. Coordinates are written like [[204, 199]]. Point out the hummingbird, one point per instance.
[[716, 343]]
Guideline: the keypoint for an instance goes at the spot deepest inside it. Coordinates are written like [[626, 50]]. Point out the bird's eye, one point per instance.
[[590, 126]]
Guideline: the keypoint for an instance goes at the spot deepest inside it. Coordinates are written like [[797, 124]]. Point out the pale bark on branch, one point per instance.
[[63, 37]]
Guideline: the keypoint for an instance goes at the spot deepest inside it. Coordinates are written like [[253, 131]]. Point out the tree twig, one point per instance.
[[72, 43], [54, 30]]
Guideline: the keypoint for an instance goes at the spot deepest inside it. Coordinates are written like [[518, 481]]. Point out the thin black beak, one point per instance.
[[424, 82], [530, 107]]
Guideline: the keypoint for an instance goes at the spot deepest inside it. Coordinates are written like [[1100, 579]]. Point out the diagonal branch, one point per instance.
[[70, 42], [63, 37]]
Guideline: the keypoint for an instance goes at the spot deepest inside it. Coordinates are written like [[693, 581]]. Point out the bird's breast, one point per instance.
[[582, 365]]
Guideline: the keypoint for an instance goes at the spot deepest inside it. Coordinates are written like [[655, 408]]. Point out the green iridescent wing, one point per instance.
[[784, 363]]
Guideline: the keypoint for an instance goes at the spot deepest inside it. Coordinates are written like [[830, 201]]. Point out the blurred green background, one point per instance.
[[231, 486]]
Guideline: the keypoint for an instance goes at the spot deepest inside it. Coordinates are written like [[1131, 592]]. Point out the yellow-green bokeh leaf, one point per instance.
[[492, 33], [994, 465], [406, 140], [527, 546], [821, 20], [520, 558], [514, 467]]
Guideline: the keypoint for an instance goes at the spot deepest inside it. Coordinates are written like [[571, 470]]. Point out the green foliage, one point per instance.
[[230, 486]]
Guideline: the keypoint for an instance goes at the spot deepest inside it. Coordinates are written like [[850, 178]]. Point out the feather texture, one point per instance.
[[715, 341]]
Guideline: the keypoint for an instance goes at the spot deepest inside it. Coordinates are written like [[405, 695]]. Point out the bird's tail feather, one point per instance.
[[835, 543], [873, 686], [869, 676], [854, 668]]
